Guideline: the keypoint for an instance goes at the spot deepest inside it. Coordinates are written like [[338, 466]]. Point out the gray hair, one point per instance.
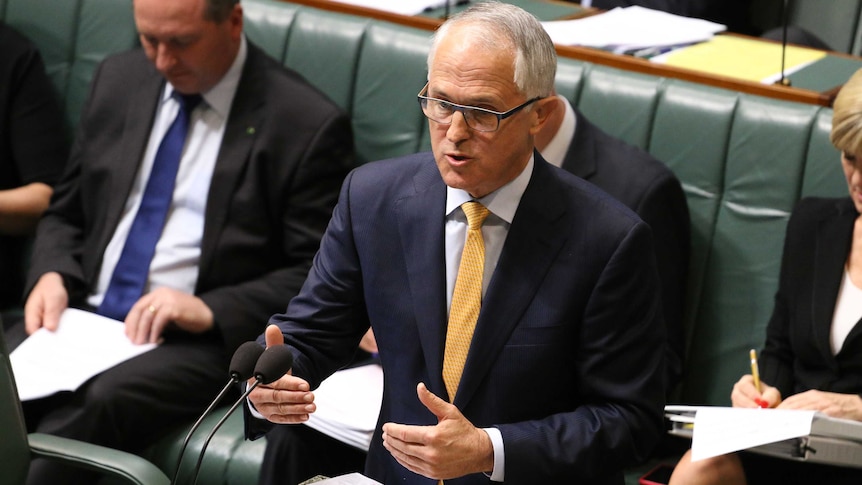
[[505, 26]]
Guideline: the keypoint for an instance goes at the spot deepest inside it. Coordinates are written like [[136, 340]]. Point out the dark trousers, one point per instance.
[[295, 453], [132, 404]]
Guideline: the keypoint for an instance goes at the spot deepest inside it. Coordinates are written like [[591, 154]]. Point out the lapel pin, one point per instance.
[[249, 130]]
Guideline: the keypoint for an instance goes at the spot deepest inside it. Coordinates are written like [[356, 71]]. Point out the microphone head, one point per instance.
[[273, 363], [243, 361]]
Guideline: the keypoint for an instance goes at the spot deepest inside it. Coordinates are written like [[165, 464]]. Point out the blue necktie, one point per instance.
[[130, 274]]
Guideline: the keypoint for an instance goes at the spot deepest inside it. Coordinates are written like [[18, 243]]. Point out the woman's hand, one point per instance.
[[836, 405], [746, 395]]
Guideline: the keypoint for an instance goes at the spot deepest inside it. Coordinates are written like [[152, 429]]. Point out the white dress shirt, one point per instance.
[[175, 262]]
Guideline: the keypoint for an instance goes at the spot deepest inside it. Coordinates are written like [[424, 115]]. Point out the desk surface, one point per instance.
[[817, 84]]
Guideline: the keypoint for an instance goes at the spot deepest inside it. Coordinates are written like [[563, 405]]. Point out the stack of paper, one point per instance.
[[629, 29], [348, 403], [402, 7]]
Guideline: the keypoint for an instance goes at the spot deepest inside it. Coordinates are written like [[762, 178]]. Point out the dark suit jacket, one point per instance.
[[648, 187], [797, 356], [275, 182], [563, 360]]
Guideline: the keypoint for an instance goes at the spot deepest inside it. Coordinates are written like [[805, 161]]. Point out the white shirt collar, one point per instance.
[[220, 96], [502, 202], [556, 150]]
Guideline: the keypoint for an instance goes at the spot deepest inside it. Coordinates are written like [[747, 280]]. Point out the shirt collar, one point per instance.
[[556, 150], [220, 96], [502, 202]]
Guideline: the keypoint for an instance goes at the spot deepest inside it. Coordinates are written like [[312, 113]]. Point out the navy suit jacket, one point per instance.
[[648, 187], [797, 356], [563, 359]]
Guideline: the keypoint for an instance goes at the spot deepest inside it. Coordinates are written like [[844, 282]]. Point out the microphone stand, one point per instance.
[[784, 81]]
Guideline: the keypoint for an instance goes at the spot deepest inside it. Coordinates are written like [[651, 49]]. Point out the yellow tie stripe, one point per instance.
[[466, 299]]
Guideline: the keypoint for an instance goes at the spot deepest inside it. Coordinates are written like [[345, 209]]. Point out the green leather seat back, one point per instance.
[[570, 78], [691, 139], [324, 47], [104, 27], [823, 175], [387, 120], [267, 24], [621, 103], [73, 36], [762, 181]]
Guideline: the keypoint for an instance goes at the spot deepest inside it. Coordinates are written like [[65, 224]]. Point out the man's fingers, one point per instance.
[[273, 336]]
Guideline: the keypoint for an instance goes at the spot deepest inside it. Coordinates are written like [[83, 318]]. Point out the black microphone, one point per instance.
[[272, 364], [242, 366]]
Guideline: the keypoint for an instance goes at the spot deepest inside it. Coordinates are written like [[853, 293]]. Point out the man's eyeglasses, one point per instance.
[[479, 119]]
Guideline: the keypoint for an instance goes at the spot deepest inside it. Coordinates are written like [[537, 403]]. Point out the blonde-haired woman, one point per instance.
[[813, 353]]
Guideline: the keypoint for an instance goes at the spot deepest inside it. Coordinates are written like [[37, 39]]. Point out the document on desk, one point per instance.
[[83, 345], [348, 403], [402, 7], [742, 58], [628, 29], [348, 479]]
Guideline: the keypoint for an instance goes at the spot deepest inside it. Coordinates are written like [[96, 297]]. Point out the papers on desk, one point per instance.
[[83, 345], [741, 58], [632, 29], [349, 479], [719, 430], [402, 7], [348, 403]]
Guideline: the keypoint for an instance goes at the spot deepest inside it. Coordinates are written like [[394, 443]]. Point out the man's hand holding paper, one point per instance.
[[83, 345]]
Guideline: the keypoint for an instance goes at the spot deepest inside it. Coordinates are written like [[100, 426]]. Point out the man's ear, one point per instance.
[[544, 109]]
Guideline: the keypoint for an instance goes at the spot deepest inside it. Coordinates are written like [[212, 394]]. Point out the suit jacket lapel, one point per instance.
[[244, 121], [532, 245], [134, 142], [830, 254], [420, 224]]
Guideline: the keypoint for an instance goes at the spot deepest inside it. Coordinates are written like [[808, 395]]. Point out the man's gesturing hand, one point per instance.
[[452, 448], [287, 400]]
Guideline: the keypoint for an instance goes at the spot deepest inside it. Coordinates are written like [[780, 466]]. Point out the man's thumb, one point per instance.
[[431, 401], [273, 336]]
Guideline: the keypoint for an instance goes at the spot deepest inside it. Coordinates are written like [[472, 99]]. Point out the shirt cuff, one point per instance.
[[498, 473], [253, 411]]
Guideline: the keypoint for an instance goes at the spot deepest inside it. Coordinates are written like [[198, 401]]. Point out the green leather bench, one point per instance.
[[743, 161]]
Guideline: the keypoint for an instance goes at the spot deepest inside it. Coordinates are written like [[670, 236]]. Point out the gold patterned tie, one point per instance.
[[466, 299]]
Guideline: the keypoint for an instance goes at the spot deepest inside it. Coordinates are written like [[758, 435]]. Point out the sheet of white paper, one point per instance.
[[83, 345], [349, 479], [403, 7], [348, 403], [628, 28], [721, 430]]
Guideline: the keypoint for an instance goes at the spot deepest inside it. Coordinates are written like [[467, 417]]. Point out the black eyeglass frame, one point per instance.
[[501, 115]]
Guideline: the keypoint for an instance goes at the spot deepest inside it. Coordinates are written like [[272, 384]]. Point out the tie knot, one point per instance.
[[188, 102], [475, 212]]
